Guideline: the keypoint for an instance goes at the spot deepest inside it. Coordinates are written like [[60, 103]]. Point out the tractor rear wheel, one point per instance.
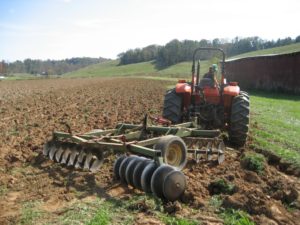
[[239, 120], [244, 93], [173, 106]]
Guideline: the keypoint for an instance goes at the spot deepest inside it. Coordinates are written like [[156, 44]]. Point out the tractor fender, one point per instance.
[[231, 90], [183, 88]]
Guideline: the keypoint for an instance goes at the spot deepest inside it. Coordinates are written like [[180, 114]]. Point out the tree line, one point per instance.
[[139, 55], [49, 67], [177, 51]]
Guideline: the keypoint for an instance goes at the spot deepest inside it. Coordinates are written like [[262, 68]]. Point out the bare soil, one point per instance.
[[29, 112]]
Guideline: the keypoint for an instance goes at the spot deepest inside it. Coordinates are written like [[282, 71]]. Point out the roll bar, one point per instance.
[[198, 69]]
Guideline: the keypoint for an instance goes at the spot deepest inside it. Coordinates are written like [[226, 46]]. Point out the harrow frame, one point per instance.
[[116, 140], [134, 138]]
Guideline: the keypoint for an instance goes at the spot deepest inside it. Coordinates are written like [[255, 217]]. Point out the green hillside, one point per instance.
[[180, 70], [278, 50], [111, 68]]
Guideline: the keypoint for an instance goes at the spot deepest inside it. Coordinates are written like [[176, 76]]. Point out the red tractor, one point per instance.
[[210, 104]]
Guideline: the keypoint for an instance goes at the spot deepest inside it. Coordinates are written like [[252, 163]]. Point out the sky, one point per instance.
[[59, 29]]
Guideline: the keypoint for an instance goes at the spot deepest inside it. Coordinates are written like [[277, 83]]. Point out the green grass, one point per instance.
[[236, 217], [102, 217], [278, 50], [215, 201], [230, 216], [220, 186], [111, 68], [21, 76], [254, 162], [275, 124], [124, 212], [83, 213], [3, 190], [95, 212], [27, 76], [30, 214], [171, 220], [144, 69]]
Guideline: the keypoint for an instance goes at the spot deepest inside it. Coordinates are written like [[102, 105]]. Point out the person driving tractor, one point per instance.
[[211, 74]]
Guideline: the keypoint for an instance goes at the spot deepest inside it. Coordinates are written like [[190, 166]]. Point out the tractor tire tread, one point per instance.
[[239, 120], [172, 109]]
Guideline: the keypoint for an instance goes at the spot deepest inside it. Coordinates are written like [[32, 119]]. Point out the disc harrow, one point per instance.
[[152, 156], [165, 181]]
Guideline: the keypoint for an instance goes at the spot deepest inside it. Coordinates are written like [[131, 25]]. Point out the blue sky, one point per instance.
[[57, 29]]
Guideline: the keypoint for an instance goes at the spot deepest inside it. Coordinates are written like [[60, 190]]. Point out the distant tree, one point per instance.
[[285, 41], [59, 67], [138, 55], [178, 51], [3, 66], [216, 43]]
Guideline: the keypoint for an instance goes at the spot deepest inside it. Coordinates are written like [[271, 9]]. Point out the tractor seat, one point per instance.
[[206, 82]]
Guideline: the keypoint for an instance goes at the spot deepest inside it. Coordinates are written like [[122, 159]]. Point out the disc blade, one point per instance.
[[197, 156], [129, 170], [58, 154], [174, 185], [46, 149], [96, 165], [52, 152], [157, 179], [73, 157], [123, 166], [221, 146], [116, 166], [209, 155], [147, 175], [137, 173], [87, 161], [65, 156], [79, 163], [209, 151], [221, 157], [221, 150]]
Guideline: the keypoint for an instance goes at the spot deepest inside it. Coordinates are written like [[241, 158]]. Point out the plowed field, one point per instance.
[[29, 112]]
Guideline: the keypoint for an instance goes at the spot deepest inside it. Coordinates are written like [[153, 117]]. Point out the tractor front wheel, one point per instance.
[[239, 120]]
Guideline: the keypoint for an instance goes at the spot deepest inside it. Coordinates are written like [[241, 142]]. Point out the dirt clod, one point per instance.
[[172, 207], [252, 177]]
